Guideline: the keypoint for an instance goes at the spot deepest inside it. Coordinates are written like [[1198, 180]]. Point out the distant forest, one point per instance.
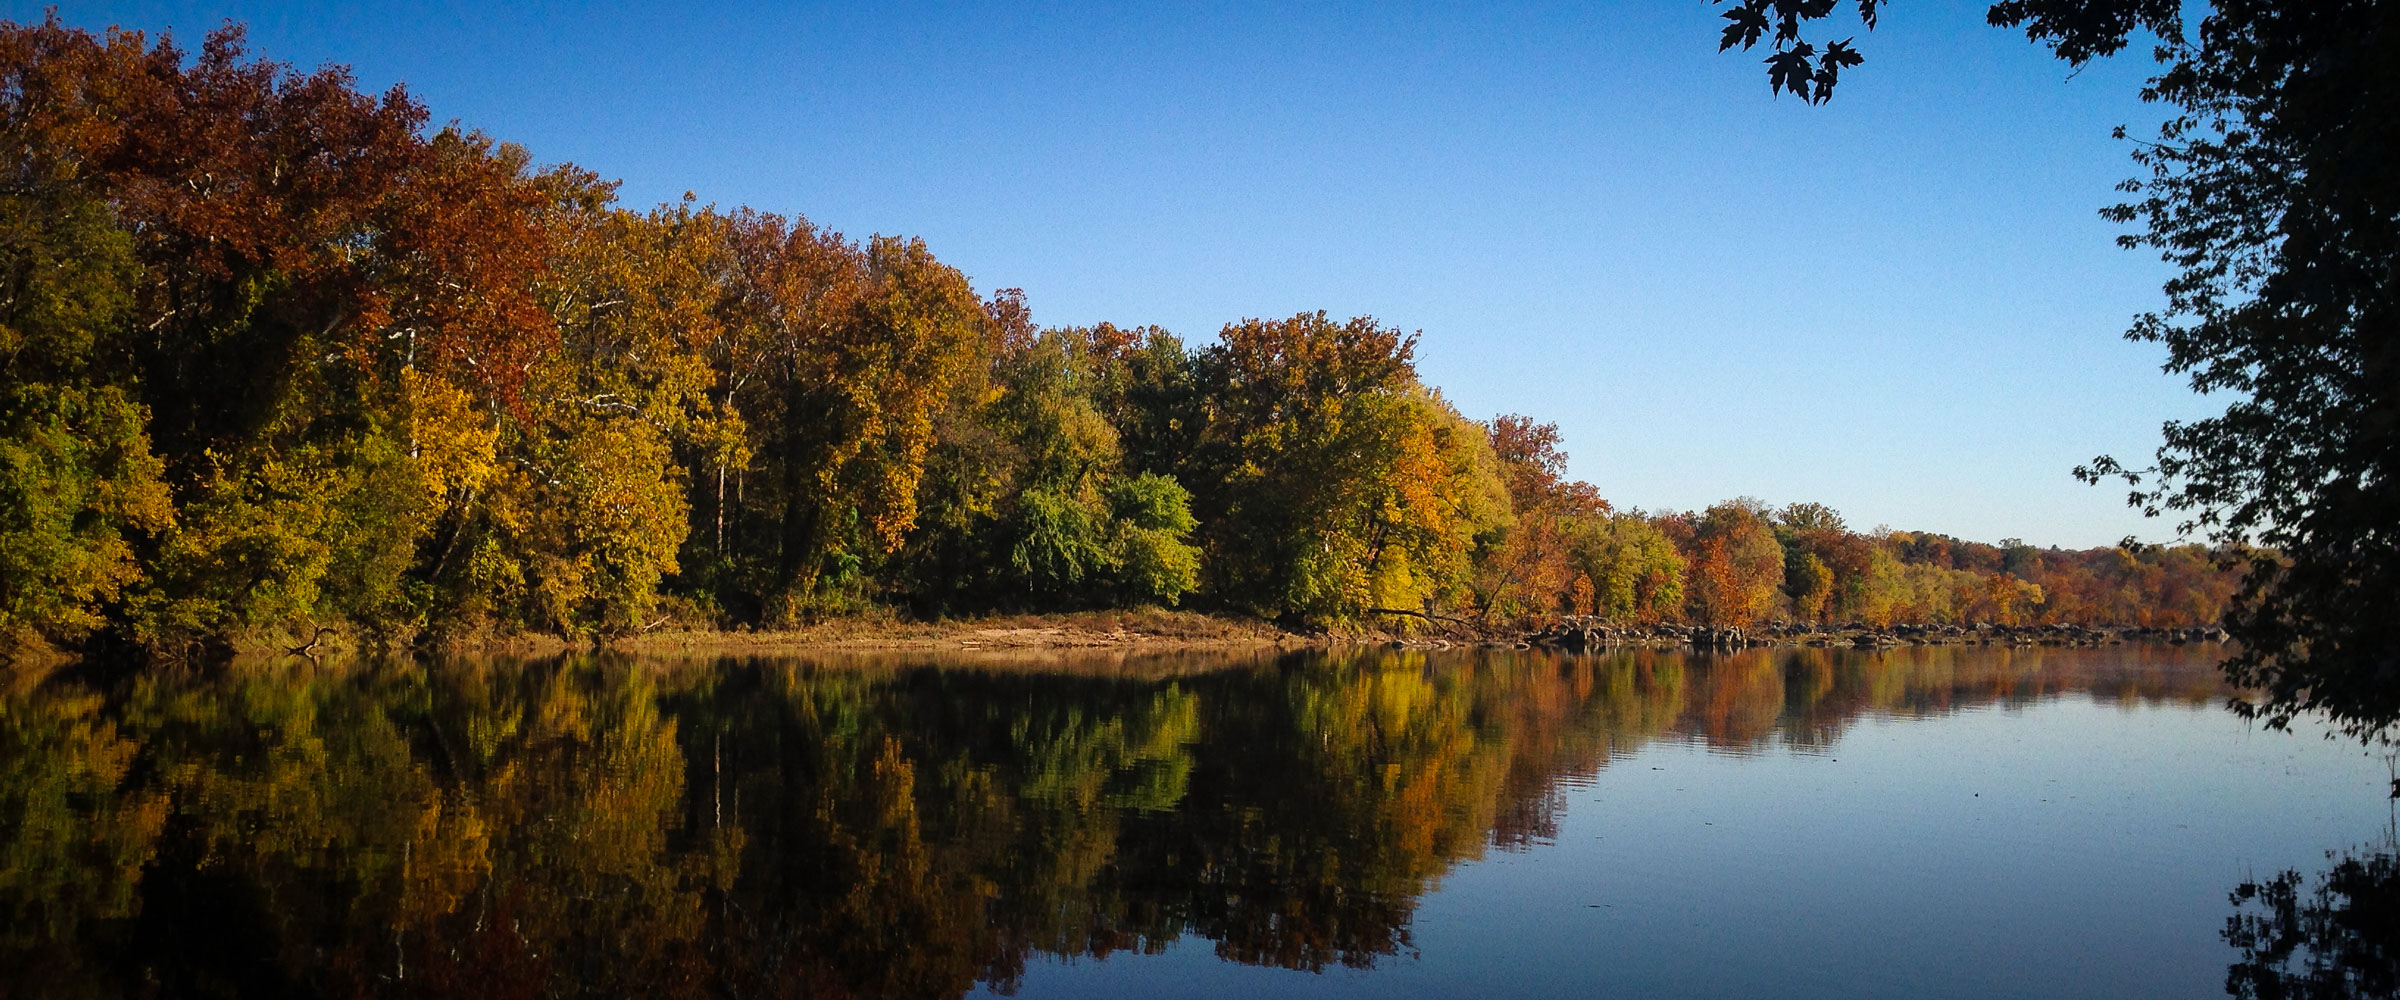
[[277, 354]]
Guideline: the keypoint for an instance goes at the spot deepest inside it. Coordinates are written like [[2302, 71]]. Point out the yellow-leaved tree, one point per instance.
[[1333, 484], [859, 346]]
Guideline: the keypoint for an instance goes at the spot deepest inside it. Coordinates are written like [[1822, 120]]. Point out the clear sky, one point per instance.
[[1902, 304]]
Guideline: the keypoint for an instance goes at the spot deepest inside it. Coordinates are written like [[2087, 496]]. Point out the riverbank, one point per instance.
[[1076, 630], [1591, 633], [1167, 630], [1160, 631]]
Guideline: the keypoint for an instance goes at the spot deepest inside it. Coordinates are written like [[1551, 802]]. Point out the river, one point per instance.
[[1917, 822]]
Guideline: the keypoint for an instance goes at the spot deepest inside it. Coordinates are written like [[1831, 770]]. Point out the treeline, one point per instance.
[[279, 355], [1741, 562]]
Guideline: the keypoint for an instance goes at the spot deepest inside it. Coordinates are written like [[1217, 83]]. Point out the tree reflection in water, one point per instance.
[[892, 827], [2337, 940]]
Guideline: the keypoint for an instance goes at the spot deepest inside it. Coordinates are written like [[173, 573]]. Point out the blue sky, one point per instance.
[[1902, 304]]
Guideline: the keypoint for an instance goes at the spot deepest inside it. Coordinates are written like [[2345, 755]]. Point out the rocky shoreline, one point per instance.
[[1592, 633]]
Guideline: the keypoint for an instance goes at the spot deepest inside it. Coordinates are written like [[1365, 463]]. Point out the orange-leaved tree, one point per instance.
[[1736, 565], [1529, 569]]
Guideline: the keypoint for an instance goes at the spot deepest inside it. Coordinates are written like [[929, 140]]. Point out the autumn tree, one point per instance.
[[1825, 564], [1737, 568], [1631, 569], [1330, 481], [79, 486], [1528, 568], [862, 344], [297, 245], [598, 467], [1028, 500], [1146, 384]]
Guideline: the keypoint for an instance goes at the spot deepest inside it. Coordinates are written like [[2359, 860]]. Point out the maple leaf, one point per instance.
[[1747, 23], [1791, 69], [1837, 55]]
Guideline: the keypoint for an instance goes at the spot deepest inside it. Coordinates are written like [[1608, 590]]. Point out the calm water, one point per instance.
[[1912, 823]]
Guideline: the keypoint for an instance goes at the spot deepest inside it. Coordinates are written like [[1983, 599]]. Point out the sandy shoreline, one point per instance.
[[1155, 630]]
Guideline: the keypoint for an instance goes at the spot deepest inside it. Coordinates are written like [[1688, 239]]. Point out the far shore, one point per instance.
[[1079, 630], [1183, 630], [1153, 631]]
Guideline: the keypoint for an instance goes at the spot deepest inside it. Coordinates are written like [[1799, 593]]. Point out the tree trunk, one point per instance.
[[809, 421]]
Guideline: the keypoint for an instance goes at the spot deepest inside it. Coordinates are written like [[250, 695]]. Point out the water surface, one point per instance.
[[1920, 822]]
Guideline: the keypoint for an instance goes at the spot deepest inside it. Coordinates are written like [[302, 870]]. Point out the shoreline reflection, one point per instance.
[[847, 826]]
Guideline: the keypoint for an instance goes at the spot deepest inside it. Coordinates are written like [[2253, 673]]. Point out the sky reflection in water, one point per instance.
[[1955, 822]]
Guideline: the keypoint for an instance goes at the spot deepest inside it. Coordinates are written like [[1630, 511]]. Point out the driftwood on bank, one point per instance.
[[1427, 615]]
